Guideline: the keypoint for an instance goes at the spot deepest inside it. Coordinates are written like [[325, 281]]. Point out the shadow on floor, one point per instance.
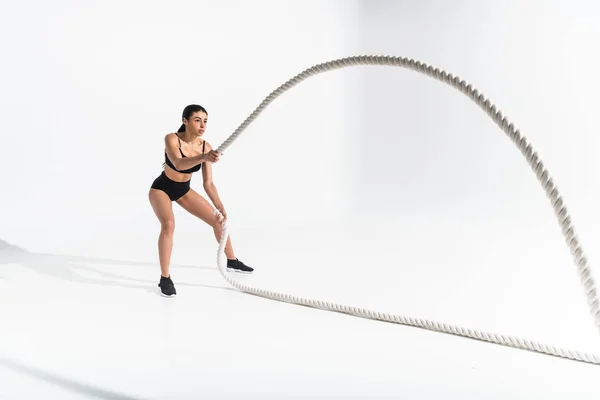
[[68, 384], [69, 268]]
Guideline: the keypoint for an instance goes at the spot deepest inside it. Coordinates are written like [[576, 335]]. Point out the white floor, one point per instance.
[[78, 327]]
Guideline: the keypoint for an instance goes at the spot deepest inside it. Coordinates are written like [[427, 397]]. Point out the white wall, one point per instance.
[[91, 88], [450, 199], [432, 154]]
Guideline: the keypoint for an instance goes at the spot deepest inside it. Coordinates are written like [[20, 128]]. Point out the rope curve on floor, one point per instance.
[[550, 188]]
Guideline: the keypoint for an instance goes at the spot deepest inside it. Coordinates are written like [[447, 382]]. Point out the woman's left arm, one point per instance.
[[209, 186]]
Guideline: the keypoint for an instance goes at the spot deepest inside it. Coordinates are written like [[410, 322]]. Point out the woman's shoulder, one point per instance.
[[171, 136]]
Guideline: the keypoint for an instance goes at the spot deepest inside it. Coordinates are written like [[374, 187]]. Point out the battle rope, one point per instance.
[[534, 161]]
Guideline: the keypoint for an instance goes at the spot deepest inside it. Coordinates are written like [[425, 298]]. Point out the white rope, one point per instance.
[[532, 158]]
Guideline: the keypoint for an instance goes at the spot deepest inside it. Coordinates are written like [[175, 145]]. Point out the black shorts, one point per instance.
[[175, 190]]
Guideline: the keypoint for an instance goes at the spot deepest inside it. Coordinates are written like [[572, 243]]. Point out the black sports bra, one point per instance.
[[195, 168]]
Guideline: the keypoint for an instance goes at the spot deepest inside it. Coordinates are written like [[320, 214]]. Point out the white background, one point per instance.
[[371, 186], [91, 89]]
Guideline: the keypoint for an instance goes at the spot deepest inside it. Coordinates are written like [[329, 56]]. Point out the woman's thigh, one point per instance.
[[162, 206], [198, 206]]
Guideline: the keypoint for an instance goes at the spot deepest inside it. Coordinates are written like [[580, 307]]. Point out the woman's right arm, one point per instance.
[[175, 156]]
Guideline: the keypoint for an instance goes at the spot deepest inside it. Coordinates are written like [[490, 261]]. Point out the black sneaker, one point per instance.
[[238, 266], [167, 287]]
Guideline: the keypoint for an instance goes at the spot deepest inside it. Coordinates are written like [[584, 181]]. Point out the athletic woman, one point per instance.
[[187, 152]]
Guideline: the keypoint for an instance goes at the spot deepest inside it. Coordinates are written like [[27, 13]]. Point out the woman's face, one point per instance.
[[197, 123]]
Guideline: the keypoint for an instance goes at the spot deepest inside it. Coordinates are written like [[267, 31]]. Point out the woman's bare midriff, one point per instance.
[[176, 176]]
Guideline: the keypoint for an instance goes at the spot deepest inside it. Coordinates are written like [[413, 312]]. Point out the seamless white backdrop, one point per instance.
[[91, 89], [462, 199], [375, 185], [89, 93], [436, 150]]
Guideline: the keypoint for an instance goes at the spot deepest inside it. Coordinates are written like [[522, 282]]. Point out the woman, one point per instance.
[[185, 153]]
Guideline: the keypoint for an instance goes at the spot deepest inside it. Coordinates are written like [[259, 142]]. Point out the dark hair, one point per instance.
[[187, 113]]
